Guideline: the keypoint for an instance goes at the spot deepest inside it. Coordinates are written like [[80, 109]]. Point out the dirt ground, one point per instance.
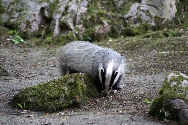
[[147, 68]]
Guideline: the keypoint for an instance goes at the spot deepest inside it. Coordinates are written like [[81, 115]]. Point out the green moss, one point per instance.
[[53, 6], [158, 24], [125, 8], [11, 32], [157, 106], [74, 89], [168, 91], [89, 35], [162, 34], [177, 91], [57, 40], [141, 29]]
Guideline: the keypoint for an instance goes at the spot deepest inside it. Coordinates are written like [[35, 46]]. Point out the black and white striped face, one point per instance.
[[108, 77]]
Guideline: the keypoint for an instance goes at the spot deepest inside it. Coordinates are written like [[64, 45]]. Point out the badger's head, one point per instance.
[[108, 76]]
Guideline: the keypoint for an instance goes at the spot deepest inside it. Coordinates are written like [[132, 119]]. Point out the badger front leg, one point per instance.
[[64, 70]]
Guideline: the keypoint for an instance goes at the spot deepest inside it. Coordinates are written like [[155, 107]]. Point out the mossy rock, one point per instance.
[[174, 87], [69, 90]]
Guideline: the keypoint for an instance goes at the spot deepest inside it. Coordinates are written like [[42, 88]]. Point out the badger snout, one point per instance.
[[107, 91]]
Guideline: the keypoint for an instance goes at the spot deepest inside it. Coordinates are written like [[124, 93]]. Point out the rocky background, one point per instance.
[[90, 20]]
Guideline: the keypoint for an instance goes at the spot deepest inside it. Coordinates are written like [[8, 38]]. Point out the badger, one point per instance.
[[104, 65]]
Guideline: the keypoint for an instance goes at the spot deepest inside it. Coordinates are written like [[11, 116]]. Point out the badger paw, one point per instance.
[[117, 88]]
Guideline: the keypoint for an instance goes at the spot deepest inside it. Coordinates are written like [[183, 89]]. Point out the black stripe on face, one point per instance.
[[114, 74], [103, 78], [116, 86]]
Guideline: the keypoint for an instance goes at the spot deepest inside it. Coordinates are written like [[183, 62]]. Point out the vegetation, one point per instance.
[[147, 101], [16, 38], [181, 15]]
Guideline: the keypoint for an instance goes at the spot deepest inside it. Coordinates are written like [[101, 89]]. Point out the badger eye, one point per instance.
[[115, 74], [102, 71]]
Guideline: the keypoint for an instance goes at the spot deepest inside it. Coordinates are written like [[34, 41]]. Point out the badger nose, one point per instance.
[[106, 92]]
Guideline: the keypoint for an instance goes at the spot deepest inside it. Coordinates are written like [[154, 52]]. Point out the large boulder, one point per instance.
[[172, 102], [148, 11], [58, 94], [39, 17]]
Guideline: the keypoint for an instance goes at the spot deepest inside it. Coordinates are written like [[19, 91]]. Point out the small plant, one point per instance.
[[167, 115], [86, 38], [21, 107], [147, 101], [16, 38]]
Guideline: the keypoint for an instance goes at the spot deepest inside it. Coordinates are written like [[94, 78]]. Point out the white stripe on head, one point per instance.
[[109, 70], [117, 77]]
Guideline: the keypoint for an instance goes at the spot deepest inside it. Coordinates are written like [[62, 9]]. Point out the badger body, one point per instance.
[[104, 65]]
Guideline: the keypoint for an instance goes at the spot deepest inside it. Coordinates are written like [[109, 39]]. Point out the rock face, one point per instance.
[[147, 10], [36, 16], [172, 102], [69, 90], [85, 19], [27, 16]]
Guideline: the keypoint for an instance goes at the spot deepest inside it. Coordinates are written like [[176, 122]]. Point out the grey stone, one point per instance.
[[172, 102], [146, 11]]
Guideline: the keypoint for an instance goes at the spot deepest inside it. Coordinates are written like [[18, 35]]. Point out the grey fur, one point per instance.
[[85, 57]]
